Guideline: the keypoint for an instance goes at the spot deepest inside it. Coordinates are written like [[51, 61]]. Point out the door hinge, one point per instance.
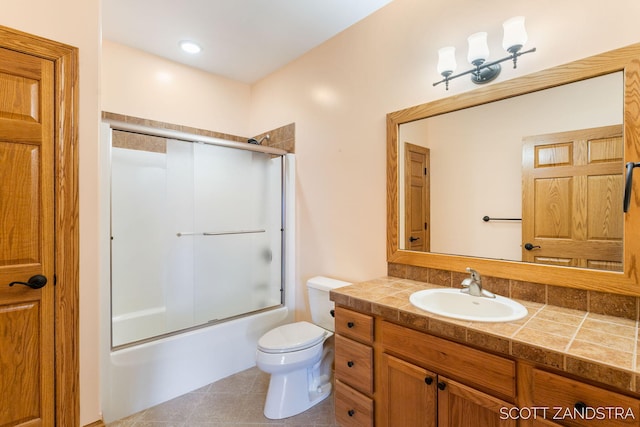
[[425, 171], [55, 280], [425, 225]]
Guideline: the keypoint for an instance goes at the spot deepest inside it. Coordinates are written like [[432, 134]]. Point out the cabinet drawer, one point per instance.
[[354, 325], [563, 397], [474, 367], [354, 364], [352, 408]]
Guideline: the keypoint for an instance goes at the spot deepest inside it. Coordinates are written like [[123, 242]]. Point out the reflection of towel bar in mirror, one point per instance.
[[487, 218], [217, 233]]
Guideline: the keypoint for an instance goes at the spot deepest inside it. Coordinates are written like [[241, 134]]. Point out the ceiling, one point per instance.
[[244, 40]]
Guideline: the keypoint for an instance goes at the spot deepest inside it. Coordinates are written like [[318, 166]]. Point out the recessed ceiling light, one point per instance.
[[190, 47]]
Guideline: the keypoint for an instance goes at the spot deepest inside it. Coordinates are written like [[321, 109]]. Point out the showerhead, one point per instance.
[[258, 142]]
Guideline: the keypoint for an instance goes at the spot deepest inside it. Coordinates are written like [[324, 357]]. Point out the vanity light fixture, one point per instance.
[[515, 36], [190, 47]]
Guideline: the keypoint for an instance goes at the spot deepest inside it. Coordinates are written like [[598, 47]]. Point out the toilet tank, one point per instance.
[[319, 302]]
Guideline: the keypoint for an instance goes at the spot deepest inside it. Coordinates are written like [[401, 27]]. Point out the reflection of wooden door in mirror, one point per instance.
[[417, 229], [572, 208]]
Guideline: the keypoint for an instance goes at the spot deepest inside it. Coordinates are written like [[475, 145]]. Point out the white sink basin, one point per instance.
[[457, 305]]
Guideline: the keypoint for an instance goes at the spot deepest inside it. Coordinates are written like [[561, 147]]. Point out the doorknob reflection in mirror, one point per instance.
[[34, 282], [413, 239]]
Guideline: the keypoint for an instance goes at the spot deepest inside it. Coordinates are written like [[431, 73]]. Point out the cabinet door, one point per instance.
[[408, 394], [462, 406]]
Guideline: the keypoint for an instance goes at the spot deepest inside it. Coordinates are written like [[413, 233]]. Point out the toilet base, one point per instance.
[[285, 401], [291, 393]]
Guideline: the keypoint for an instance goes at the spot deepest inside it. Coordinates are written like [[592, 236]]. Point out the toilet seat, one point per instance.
[[291, 337]]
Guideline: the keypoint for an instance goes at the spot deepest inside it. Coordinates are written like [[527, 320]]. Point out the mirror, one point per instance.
[[584, 81], [472, 187]]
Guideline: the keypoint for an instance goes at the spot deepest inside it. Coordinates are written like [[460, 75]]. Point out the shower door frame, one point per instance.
[[194, 138]]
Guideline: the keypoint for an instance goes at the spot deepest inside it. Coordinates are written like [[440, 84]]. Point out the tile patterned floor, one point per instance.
[[236, 401]]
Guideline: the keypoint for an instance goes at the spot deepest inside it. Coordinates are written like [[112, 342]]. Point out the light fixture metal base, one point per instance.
[[486, 74]]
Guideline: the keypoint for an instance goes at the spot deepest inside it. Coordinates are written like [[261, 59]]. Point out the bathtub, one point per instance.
[[132, 327], [150, 373]]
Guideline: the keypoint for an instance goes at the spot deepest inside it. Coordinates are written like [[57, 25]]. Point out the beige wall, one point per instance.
[[138, 84], [77, 23], [338, 95]]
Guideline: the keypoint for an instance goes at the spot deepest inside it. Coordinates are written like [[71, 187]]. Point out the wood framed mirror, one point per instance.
[[625, 60]]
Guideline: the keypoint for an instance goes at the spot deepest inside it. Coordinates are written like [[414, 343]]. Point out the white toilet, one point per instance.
[[297, 358]]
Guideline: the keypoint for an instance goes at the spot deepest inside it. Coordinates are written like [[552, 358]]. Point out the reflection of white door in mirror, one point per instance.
[[572, 209], [416, 199]]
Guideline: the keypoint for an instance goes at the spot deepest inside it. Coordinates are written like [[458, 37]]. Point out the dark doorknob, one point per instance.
[[413, 239], [529, 246], [34, 282]]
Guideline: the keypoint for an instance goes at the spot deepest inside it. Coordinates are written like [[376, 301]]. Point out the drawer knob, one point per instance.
[[442, 385], [580, 407], [350, 325], [428, 380], [350, 363], [351, 412]]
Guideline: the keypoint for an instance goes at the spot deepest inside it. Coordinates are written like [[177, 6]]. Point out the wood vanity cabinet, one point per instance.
[[353, 368], [416, 385], [566, 402], [401, 377]]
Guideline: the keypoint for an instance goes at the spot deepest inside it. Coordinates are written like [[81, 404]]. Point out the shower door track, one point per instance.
[[190, 137]]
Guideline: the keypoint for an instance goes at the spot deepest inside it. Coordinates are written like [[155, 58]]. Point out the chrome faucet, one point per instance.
[[473, 285]]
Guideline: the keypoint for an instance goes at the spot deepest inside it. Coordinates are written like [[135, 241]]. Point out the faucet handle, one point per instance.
[[474, 274], [486, 293]]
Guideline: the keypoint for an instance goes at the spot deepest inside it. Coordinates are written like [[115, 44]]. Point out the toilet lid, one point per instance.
[[291, 337]]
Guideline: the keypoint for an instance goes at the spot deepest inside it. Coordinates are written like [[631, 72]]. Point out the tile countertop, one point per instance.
[[592, 346]]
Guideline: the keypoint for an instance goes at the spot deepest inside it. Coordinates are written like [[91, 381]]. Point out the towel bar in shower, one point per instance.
[[217, 233]]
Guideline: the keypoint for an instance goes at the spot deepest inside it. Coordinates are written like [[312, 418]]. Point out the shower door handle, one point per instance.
[[34, 282]]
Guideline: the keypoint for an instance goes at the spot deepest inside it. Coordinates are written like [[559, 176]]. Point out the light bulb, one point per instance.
[[447, 60], [515, 35], [478, 48], [190, 47]]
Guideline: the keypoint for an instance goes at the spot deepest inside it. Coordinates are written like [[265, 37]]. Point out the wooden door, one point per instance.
[[462, 406], [409, 394], [572, 198], [26, 240], [417, 205]]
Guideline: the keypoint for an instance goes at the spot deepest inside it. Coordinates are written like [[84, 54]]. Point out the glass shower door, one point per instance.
[[196, 237], [237, 259]]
